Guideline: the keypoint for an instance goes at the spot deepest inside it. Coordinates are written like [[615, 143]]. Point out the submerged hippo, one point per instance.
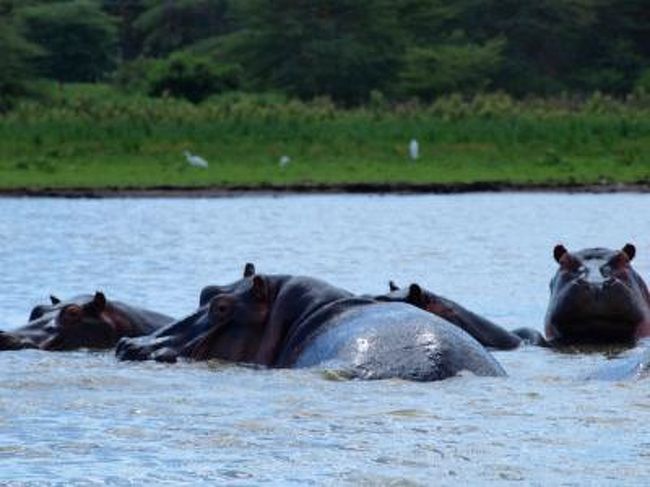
[[597, 298], [487, 333], [163, 345], [88, 321], [295, 321], [633, 364]]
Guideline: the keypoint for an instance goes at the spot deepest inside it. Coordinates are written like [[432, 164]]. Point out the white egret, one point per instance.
[[414, 149], [284, 161], [194, 160]]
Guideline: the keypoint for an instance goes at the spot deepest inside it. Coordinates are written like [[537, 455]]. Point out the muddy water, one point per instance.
[[85, 418]]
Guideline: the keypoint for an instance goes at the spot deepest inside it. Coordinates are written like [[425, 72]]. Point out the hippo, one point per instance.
[[287, 321], [86, 321], [487, 333], [162, 344], [597, 298], [209, 292]]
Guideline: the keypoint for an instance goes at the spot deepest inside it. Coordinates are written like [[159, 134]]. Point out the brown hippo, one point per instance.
[[163, 344], [597, 298], [296, 321], [88, 321], [209, 292], [484, 331]]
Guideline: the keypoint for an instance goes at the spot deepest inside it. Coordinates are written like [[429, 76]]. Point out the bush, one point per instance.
[[643, 82], [452, 68], [191, 77], [133, 76]]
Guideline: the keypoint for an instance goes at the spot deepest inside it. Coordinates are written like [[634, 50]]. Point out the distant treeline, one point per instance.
[[351, 51]]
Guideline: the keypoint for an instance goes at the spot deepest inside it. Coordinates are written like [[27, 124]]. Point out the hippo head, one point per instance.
[[209, 292], [597, 297], [225, 326], [79, 323], [40, 309], [417, 296], [235, 323]]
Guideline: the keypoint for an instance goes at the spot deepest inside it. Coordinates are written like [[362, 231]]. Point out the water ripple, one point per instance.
[[83, 418]]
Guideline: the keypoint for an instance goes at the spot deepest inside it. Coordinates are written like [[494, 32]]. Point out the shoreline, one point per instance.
[[164, 191]]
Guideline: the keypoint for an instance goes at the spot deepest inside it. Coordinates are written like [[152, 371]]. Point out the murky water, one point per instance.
[[86, 418]]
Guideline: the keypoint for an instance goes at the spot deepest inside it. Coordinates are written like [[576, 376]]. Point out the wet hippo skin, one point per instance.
[[299, 321], [86, 321]]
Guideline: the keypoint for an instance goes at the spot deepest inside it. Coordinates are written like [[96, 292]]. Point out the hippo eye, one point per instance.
[[219, 308], [71, 315]]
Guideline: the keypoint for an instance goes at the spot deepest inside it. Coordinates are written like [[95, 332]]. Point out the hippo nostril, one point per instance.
[[581, 282], [607, 283]]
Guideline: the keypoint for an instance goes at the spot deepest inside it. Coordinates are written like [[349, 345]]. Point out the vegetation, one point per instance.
[[95, 136], [110, 92], [345, 49], [76, 37]]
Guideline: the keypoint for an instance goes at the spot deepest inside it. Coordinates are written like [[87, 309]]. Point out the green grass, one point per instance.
[[94, 136]]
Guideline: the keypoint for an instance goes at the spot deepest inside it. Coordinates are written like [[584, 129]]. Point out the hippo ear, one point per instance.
[[54, 300], [259, 288], [249, 269], [415, 294], [630, 251], [558, 252], [99, 301]]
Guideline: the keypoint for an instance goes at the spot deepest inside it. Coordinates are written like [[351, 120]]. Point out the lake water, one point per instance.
[[85, 418]]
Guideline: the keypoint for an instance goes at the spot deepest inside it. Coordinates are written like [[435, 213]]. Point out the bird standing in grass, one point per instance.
[[284, 161], [414, 149], [194, 160]]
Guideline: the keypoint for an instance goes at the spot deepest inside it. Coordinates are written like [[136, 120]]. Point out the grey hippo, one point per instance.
[[596, 298], [291, 321]]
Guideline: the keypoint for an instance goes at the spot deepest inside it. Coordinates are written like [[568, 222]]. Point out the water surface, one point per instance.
[[86, 418]]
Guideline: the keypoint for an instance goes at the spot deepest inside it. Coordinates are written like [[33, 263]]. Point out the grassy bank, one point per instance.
[[94, 136]]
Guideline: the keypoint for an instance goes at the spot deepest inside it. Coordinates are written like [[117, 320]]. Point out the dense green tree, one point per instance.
[[191, 77], [439, 57], [126, 12], [538, 53], [78, 39], [448, 68], [17, 52], [340, 48], [615, 53], [168, 25], [427, 22], [13, 66]]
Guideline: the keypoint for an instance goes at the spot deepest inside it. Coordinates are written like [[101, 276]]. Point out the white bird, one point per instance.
[[194, 160], [284, 160], [414, 149]]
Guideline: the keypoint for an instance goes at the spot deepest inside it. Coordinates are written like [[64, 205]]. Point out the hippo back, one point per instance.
[[386, 340]]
